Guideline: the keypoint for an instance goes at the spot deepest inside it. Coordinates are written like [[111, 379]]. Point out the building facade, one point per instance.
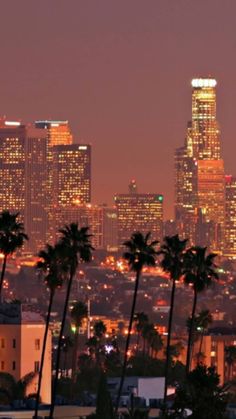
[[21, 339], [139, 212], [199, 172], [23, 178]]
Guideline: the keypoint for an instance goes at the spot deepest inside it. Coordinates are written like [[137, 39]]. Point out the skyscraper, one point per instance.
[[23, 178], [12, 166], [199, 184], [58, 132], [36, 189], [139, 212], [71, 181], [230, 216]]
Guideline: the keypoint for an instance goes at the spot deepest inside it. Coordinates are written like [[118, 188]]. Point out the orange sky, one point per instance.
[[120, 71]]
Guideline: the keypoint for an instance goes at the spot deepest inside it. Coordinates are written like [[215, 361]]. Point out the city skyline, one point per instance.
[[115, 74]]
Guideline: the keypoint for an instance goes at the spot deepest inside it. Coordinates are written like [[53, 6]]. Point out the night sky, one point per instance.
[[120, 72]]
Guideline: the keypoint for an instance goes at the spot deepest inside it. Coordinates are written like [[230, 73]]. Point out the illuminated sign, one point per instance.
[[83, 147], [204, 83], [12, 123]]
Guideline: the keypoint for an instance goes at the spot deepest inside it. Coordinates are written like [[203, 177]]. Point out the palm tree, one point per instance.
[[147, 334], [140, 252], [12, 237], [11, 390], [77, 247], [78, 313], [155, 342], [99, 329], [199, 272], [67, 343], [230, 358], [141, 319], [52, 266], [172, 250], [204, 318]]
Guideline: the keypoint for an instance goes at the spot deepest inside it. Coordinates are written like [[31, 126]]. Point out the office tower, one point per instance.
[[71, 170], [21, 340], [230, 216], [12, 167], [185, 192], [169, 228], [23, 178], [109, 229], [199, 176], [139, 212], [36, 189], [58, 132], [71, 180], [101, 220]]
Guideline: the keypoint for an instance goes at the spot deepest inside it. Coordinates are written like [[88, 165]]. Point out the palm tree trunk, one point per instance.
[[200, 347], [65, 364], [128, 341], [43, 353], [190, 336], [168, 340], [74, 356], [59, 344], [137, 343], [2, 275]]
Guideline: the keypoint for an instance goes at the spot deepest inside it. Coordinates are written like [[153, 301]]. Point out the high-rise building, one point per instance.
[[199, 181], [36, 189], [71, 181], [23, 178], [58, 132], [12, 166], [139, 212], [230, 216], [109, 229]]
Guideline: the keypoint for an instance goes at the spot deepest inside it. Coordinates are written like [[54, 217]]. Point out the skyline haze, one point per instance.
[[121, 74]]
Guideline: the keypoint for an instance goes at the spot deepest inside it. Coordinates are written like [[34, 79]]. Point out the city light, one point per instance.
[[204, 83]]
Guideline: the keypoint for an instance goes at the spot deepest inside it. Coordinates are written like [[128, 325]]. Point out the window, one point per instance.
[[37, 344], [14, 365], [36, 366], [14, 343], [2, 365], [2, 343]]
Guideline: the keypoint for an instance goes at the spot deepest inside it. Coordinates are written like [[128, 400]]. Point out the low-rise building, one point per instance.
[[21, 340]]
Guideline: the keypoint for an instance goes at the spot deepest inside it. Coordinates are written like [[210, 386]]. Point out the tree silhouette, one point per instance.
[[12, 237], [199, 272], [78, 313], [77, 247], [140, 252], [230, 358], [54, 271], [172, 251]]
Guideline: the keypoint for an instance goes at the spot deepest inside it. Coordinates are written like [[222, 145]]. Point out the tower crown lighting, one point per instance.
[[204, 82]]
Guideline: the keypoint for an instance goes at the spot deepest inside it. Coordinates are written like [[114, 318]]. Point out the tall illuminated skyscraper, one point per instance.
[[71, 181], [199, 181], [139, 212], [58, 132], [23, 178]]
